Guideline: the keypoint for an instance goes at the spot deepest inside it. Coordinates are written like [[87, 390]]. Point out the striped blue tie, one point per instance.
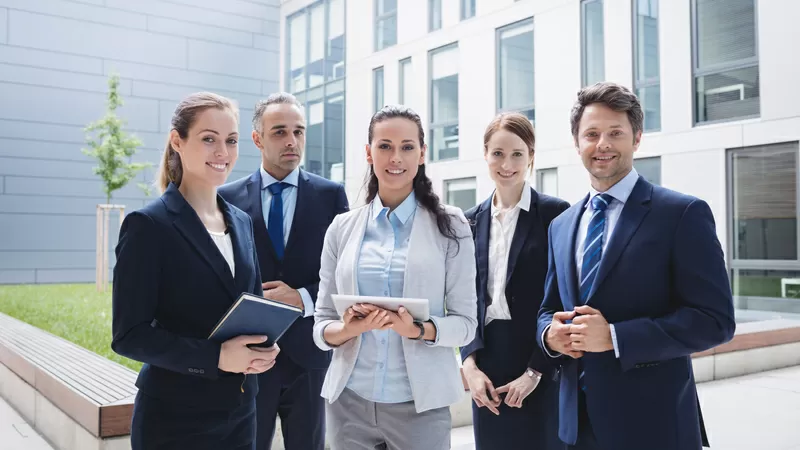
[[593, 245], [592, 253]]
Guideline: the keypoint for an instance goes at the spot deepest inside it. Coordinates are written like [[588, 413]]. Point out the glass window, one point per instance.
[[649, 169], [444, 103], [315, 56], [547, 181], [593, 64], [385, 24], [646, 61], [763, 224], [515, 68], [434, 15], [334, 56], [467, 9], [405, 81], [727, 84], [461, 193], [377, 88]]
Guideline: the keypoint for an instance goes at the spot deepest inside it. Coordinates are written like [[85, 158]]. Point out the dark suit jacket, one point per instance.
[[527, 268], [171, 287], [662, 282], [318, 201]]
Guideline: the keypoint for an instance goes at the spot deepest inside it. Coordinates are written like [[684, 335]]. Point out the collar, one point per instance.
[[524, 201], [266, 179], [620, 191], [403, 212]]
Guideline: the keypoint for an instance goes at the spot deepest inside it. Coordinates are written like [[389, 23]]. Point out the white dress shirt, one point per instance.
[[501, 234]]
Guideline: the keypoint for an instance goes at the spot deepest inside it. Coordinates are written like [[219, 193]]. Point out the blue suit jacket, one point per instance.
[[527, 267], [318, 201], [662, 282], [171, 287]]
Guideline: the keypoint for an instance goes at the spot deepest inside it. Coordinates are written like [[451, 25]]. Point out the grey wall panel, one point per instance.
[[208, 32], [29, 57], [12, 73], [181, 77], [17, 276], [188, 13], [46, 260], [55, 57], [219, 58], [69, 107], [3, 25], [91, 39], [83, 12]]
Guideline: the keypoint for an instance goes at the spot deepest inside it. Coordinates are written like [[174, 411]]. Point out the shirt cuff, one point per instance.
[[544, 345], [436, 340], [308, 303], [614, 340]]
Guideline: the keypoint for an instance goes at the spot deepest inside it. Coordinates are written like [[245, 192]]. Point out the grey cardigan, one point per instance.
[[434, 270]]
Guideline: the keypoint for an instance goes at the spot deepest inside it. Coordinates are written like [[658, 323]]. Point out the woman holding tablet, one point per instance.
[[510, 378], [182, 261], [392, 378]]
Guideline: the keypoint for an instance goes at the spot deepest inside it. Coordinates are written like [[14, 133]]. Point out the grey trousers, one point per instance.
[[358, 424]]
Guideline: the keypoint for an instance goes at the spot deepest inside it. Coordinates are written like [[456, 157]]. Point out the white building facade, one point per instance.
[[717, 81]]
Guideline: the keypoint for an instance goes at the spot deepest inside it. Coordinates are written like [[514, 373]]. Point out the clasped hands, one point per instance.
[[365, 317], [588, 332]]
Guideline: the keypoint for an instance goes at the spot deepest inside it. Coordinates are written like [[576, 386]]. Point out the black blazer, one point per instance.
[[171, 286], [318, 201], [527, 268]]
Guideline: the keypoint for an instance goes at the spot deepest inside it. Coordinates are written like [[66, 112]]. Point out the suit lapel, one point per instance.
[[483, 219], [305, 197], [191, 228], [634, 211], [238, 231], [256, 211], [524, 224], [569, 258]]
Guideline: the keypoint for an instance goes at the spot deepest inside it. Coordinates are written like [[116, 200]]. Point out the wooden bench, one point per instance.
[[76, 399]]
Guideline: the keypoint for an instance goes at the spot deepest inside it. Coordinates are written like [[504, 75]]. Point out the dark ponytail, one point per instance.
[[423, 188]]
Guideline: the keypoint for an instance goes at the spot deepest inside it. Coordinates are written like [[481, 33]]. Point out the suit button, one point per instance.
[[280, 274]]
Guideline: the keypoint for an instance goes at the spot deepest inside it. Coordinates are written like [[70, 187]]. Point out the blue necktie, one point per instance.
[[275, 221], [593, 245], [592, 253]]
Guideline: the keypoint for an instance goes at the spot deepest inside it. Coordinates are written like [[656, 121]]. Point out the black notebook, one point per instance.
[[256, 316]]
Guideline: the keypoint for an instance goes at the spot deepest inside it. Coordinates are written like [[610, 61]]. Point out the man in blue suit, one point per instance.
[[636, 283], [291, 211]]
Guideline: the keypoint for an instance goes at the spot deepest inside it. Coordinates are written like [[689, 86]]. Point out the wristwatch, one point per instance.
[[532, 373], [421, 327]]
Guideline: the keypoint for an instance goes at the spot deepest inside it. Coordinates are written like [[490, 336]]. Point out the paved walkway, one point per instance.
[[754, 412]]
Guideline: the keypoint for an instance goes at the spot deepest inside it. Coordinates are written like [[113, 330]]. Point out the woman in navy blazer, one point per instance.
[[182, 260], [515, 399]]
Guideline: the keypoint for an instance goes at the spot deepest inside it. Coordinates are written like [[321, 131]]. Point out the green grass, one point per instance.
[[75, 312]]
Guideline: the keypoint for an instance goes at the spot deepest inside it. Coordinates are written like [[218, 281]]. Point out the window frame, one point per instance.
[[448, 182], [431, 4], [540, 179], [584, 66], [463, 4], [697, 72], [401, 79], [498, 72], [646, 83], [379, 19], [378, 97], [441, 125]]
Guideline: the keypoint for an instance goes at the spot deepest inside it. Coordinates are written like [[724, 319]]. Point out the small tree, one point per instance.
[[112, 147]]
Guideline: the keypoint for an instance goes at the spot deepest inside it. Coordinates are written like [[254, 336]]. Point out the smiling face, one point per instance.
[[210, 149], [508, 157], [395, 155], [606, 143], [282, 139]]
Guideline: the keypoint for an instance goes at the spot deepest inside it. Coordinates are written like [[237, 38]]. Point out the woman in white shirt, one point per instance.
[[393, 378], [511, 380]]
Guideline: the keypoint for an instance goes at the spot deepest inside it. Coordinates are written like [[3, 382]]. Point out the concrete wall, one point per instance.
[[55, 58]]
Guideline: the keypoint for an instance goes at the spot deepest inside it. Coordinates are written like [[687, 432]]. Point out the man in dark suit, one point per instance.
[[636, 283], [291, 211]]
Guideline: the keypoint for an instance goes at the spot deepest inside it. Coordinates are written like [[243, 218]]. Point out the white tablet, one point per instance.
[[417, 307]]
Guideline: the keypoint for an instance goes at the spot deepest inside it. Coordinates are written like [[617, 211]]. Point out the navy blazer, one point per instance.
[[662, 282], [171, 287], [318, 201], [527, 268]]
